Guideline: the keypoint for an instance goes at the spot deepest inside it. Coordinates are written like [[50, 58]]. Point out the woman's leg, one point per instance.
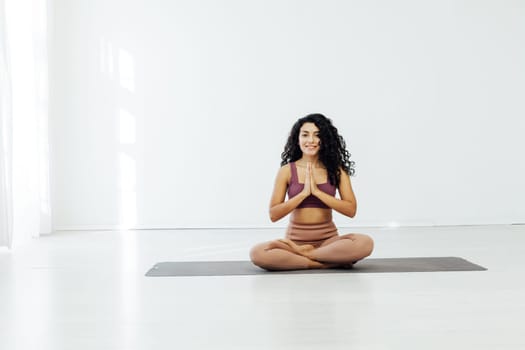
[[280, 255], [345, 249]]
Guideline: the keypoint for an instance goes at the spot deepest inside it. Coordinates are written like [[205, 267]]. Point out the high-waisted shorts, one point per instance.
[[311, 233]]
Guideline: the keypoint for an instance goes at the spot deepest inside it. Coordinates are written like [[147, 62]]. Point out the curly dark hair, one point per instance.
[[332, 153]]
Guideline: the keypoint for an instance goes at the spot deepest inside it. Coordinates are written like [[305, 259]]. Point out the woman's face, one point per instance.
[[309, 140]]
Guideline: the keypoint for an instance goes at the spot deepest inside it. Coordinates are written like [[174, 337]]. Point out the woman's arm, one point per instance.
[[347, 205], [279, 208]]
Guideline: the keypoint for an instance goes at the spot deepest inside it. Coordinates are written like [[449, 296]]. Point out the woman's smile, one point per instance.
[[309, 138]]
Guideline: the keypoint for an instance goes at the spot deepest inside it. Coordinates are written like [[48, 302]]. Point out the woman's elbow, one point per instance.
[[352, 211], [273, 216]]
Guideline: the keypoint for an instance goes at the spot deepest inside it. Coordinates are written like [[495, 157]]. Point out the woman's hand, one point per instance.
[[307, 190], [313, 185]]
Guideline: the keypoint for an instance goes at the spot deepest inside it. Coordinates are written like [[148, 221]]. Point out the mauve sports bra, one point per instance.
[[311, 201]]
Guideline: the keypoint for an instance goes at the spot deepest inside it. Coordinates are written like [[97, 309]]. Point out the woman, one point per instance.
[[315, 163]]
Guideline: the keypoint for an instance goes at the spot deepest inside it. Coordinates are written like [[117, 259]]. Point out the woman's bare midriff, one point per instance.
[[311, 215]]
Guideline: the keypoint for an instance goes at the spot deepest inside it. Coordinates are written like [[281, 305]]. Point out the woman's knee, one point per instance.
[[257, 254], [363, 243], [367, 244]]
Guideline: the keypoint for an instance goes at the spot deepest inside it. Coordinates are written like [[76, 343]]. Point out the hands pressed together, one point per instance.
[[310, 186]]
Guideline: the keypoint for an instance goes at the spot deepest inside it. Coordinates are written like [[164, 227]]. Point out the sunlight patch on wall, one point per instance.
[[128, 193], [106, 58], [394, 224], [127, 128], [118, 66], [126, 66]]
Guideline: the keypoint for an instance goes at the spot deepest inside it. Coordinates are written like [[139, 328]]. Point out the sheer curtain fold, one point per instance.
[[6, 199], [24, 160]]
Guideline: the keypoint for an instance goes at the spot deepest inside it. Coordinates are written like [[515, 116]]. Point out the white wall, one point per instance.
[[174, 113]]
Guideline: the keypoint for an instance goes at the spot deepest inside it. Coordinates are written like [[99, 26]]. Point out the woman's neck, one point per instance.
[[309, 159]]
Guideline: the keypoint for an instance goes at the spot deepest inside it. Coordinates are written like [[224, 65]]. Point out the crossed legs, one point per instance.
[[337, 251]]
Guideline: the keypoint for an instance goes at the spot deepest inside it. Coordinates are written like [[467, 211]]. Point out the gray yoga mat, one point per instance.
[[369, 265]]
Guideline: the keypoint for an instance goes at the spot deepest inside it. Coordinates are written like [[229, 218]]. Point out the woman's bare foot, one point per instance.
[[300, 249], [282, 244], [303, 249]]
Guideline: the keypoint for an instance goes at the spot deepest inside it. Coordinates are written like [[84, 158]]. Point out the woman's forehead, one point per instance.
[[309, 127]]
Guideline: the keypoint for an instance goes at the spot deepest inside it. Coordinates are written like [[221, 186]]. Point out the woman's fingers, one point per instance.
[[307, 179], [313, 184]]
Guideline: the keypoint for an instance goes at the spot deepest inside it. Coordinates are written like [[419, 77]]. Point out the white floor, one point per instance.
[[87, 290]]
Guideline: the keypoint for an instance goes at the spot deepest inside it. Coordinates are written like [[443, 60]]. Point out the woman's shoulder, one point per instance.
[[345, 177], [285, 168], [285, 171]]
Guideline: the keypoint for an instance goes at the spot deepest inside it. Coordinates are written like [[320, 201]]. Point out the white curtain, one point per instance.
[[24, 162], [6, 202]]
